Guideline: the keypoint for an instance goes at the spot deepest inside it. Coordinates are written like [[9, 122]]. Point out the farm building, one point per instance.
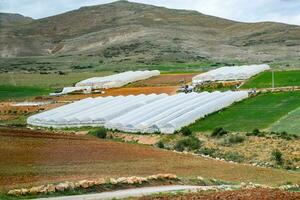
[[117, 80], [142, 113], [230, 73]]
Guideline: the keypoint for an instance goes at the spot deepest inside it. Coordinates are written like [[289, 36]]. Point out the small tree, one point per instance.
[[189, 143], [99, 132], [160, 144], [219, 132], [186, 131], [256, 132], [277, 156]]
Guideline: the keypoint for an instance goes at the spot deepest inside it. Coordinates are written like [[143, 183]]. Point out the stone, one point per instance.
[[36, 190], [24, 191], [50, 188], [83, 184], [61, 187], [15, 192], [100, 181], [122, 180], [113, 181]]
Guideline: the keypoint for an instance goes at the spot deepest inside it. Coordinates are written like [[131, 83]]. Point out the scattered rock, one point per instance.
[[15, 192], [83, 184], [36, 190], [50, 188]]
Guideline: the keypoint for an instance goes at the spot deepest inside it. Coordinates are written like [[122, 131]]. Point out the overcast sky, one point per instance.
[[287, 11]]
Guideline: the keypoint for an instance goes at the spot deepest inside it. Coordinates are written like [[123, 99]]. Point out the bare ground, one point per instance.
[[30, 157]]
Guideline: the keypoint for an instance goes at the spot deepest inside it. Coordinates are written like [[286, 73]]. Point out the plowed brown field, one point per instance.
[[122, 91], [36, 157], [254, 194]]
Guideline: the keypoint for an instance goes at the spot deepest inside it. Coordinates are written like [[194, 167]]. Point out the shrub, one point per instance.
[[219, 132], [231, 140], [189, 143], [235, 139], [233, 156], [207, 151], [100, 133], [277, 157], [160, 145], [186, 131], [256, 132]]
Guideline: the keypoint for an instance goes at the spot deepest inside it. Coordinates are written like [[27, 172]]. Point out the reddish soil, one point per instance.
[[30, 157], [9, 112], [254, 194], [122, 91]]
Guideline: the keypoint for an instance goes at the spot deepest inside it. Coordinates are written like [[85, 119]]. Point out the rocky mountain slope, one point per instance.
[[130, 32]]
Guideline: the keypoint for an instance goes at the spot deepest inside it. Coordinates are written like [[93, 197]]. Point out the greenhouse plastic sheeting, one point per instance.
[[142, 113], [230, 73], [117, 80]]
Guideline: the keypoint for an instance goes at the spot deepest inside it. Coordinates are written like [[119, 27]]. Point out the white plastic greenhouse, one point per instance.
[[117, 80], [142, 113], [230, 73]]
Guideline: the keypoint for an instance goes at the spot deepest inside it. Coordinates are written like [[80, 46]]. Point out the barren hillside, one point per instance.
[[125, 32]]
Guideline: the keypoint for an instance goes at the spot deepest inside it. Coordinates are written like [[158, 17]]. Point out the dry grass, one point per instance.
[[256, 149], [35, 157]]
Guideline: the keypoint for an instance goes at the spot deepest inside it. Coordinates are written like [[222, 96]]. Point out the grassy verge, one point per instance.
[[257, 112], [282, 79]]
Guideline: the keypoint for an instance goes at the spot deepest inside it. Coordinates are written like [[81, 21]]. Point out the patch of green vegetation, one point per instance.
[[282, 135], [190, 143], [219, 132], [289, 123], [217, 153], [8, 92], [232, 140], [282, 79], [277, 156], [256, 112], [186, 131], [20, 121], [99, 132]]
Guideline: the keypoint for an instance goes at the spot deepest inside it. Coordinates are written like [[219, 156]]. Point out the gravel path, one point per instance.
[[136, 192]]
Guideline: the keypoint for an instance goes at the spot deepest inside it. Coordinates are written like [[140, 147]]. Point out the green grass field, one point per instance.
[[257, 112], [18, 86], [282, 79], [290, 123], [8, 92]]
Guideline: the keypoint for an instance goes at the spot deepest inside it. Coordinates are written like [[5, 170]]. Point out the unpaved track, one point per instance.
[[136, 192]]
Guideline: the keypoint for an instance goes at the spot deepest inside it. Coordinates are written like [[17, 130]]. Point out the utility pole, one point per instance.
[[273, 80]]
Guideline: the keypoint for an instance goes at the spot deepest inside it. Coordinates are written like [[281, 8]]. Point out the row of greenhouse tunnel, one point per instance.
[[154, 113]]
